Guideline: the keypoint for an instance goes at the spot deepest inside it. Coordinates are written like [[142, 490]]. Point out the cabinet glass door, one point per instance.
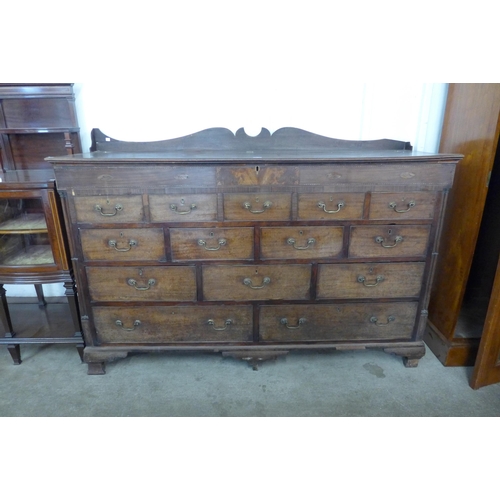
[[24, 238]]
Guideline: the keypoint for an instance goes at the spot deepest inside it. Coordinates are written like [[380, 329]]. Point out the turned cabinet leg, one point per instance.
[[4, 313], [73, 306], [80, 348], [15, 352], [40, 296]]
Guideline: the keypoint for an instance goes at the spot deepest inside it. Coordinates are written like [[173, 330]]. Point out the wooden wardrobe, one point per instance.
[[464, 308]]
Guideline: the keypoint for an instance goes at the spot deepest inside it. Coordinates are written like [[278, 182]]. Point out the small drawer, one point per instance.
[[155, 283], [363, 281], [291, 282], [263, 206], [183, 208], [212, 244], [331, 206], [109, 209], [123, 244], [185, 324], [389, 241], [418, 205], [309, 242], [339, 322]]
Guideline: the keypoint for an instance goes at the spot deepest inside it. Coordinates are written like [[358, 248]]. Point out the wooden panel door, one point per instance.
[[487, 367]]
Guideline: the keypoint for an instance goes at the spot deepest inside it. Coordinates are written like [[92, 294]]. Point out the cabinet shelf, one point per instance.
[[39, 255], [25, 224]]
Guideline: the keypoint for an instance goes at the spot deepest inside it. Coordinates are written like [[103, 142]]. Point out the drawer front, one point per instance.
[[123, 244], [109, 209], [212, 244], [290, 282], [418, 205], [263, 206], [183, 207], [313, 242], [160, 283], [389, 241], [363, 281], [189, 324], [339, 322], [331, 206]]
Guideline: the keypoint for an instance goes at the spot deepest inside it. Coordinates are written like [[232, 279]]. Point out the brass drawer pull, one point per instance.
[[310, 242], [381, 240], [203, 243], [173, 207], [120, 324], [118, 208], [410, 205], [374, 320], [340, 206], [228, 322], [284, 321], [248, 282], [133, 282], [131, 243], [265, 206], [378, 279]]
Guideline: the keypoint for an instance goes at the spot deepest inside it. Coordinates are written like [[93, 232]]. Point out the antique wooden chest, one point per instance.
[[253, 246]]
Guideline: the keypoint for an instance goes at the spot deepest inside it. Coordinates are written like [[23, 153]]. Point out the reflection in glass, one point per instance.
[[24, 239]]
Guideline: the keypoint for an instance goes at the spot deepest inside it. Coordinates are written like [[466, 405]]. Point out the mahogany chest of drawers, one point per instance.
[[253, 246]]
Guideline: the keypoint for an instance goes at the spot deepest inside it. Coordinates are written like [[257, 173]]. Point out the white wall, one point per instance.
[[171, 108]]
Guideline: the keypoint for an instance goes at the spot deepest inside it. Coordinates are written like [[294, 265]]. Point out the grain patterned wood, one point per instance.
[[183, 207], [414, 241], [218, 243], [370, 280], [175, 284], [271, 206], [337, 322], [109, 209], [318, 205], [286, 282], [187, 324], [149, 244], [397, 206], [276, 242]]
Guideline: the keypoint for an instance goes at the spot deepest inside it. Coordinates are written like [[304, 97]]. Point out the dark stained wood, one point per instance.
[[255, 193], [400, 206]]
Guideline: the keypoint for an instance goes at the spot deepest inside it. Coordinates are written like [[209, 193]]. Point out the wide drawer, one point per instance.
[[160, 283], [389, 241], [418, 205], [157, 324], [362, 281], [308, 242], [211, 244], [109, 209], [339, 322], [183, 208], [330, 206], [268, 282], [123, 244], [264, 206]]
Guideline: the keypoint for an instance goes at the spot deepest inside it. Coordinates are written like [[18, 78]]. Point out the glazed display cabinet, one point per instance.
[[33, 251]]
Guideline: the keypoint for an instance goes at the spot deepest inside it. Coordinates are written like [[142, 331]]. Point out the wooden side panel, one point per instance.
[[471, 128], [487, 367]]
